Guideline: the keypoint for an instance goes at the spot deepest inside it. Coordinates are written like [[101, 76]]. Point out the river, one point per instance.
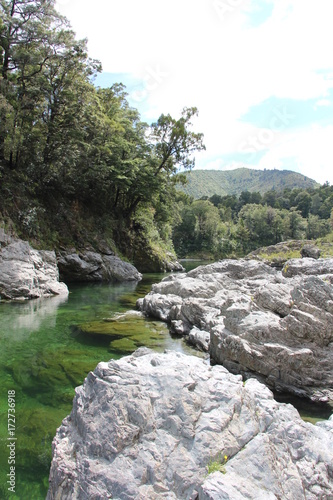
[[48, 346]]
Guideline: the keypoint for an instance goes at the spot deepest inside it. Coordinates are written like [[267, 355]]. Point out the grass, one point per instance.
[[217, 465], [280, 256], [289, 251], [325, 245]]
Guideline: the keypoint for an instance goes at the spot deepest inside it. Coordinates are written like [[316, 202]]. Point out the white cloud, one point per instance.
[[216, 62], [309, 148], [323, 102]]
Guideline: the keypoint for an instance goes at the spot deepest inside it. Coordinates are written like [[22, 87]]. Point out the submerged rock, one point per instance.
[[148, 425], [277, 325], [92, 266], [26, 273]]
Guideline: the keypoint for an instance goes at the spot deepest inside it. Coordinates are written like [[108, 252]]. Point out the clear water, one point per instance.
[[47, 348]]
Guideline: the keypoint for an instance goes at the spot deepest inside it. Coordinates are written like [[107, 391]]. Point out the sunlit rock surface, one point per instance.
[[148, 425], [277, 325], [26, 273]]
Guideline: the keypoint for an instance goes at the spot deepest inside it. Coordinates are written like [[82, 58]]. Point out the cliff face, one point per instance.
[[277, 325], [148, 425]]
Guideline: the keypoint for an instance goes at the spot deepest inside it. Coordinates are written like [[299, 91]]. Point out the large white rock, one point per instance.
[[278, 325], [26, 273], [146, 427]]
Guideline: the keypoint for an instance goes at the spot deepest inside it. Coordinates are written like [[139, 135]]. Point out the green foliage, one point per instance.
[[199, 229], [74, 157], [228, 182], [236, 226], [77, 164], [217, 464]]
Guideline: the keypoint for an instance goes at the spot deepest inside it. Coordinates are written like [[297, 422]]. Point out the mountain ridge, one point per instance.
[[227, 182]]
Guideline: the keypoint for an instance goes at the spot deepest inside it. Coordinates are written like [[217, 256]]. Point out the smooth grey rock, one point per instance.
[[92, 266], [147, 426], [26, 273], [276, 325]]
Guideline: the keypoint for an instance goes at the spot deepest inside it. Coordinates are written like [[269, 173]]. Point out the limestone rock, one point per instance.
[[92, 266], [26, 273], [307, 266], [277, 325], [147, 426], [199, 339]]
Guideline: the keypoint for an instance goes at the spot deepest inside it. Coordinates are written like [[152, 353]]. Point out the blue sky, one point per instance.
[[259, 71]]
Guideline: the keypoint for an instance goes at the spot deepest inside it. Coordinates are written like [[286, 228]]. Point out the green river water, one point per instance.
[[47, 348]]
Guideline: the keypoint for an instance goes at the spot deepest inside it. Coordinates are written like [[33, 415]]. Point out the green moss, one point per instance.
[[35, 428], [280, 256], [51, 376], [125, 345], [127, 333]]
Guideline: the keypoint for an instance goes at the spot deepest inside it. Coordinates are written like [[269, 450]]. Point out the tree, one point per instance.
[[244, 198], [171, 144], [243, 235], [303, 203], [316, 227], [45, 77], [294, 225], [25, 47], [270, 198], [174, 142]]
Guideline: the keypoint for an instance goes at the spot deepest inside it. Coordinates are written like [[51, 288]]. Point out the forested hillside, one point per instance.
[[225, 226], [208, 182], [77, 164]]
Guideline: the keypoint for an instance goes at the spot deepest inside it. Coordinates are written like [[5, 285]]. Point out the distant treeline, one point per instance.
[[231, 225]]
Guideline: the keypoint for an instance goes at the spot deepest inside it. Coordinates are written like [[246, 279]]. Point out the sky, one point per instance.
[[260, 73]]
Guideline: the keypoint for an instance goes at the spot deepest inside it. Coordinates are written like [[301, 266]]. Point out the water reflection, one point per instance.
[[19, 320]]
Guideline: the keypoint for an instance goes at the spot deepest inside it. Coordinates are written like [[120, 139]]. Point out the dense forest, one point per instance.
[[224, 226], [77, 164], [76, 161]]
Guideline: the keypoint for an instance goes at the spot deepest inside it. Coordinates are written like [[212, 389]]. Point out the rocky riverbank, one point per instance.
[[148, 426], [256, 320], [26, 273]]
